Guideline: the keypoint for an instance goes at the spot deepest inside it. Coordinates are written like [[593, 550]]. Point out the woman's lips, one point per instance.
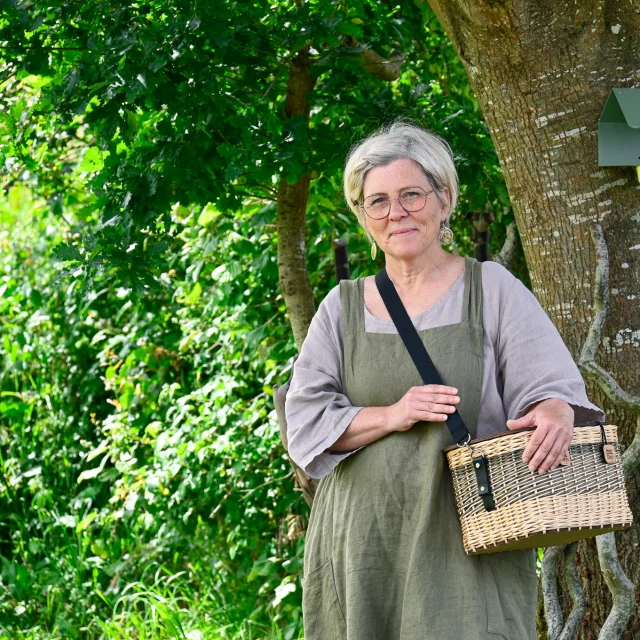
[[403, 232]]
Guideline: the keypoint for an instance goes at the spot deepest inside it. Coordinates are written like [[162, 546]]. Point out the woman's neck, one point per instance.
[[408, 276]]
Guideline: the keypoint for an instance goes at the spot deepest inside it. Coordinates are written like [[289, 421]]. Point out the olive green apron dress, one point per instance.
[[383, 555]]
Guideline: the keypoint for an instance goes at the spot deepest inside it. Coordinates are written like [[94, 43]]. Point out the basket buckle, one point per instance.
[[608, 450], [465, 443], [481, 470]]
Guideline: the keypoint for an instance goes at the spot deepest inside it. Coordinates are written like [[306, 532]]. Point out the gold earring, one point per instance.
[[374, 250], [446, 235]]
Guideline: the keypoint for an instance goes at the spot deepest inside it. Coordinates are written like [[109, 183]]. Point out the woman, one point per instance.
[[384, 556]]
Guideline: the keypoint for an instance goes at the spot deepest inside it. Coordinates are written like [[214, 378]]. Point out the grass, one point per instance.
[[169, 609]]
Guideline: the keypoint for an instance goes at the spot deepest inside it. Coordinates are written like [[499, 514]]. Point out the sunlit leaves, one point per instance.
[[185, 104], [125, 426]]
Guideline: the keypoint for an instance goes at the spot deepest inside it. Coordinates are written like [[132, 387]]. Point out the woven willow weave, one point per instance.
[[581, 500]]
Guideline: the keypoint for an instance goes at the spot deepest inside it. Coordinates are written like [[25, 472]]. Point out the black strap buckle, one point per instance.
[[481, 469], [608, 450]]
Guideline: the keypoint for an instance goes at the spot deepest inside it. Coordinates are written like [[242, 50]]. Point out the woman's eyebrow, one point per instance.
[[382, 193], [379, 193]]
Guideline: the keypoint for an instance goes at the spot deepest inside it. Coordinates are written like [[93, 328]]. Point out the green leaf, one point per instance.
[[19, 198], [350, 29], [194, 296], [64, 253], [93, 160], [209, 214]]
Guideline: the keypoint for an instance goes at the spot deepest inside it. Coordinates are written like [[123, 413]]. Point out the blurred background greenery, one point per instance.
[[144, 491]]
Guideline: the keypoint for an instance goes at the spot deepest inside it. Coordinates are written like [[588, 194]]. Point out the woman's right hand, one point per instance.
[[429, 403]]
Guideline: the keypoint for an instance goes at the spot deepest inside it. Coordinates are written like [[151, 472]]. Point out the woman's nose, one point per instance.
[[396, 211]]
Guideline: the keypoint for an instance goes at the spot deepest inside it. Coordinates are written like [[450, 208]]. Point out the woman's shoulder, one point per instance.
[[497, 281], [496, 273], [333, 297], [330, 309], [325, 331]]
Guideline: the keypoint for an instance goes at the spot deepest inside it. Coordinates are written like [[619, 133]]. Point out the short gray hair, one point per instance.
[[397, 141]]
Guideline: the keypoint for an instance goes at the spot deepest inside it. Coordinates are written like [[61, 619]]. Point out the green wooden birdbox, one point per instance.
[[619, 130]]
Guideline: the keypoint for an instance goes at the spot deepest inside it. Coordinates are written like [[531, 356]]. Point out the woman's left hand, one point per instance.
[[550, 441]]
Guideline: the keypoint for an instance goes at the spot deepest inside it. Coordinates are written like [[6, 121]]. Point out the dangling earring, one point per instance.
[[374, 250], [446, 235]]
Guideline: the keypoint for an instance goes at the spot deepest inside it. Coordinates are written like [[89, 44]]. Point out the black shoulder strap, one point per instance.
[[416, 348]]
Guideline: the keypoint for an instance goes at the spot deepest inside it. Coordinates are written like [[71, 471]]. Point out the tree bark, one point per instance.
[[542, 72], [293, 198], [292, 209], [374, 63]]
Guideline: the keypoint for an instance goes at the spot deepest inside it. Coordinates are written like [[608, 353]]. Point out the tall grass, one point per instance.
[[168, 608]]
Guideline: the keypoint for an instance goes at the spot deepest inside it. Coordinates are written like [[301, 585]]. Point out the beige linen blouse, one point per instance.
[[525, 361]]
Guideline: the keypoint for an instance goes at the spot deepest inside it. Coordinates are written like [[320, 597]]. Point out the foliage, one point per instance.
[[159, 103], [143, 489], [139, 438]]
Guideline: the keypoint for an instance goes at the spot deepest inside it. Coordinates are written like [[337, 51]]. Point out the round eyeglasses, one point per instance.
[[411, 199]]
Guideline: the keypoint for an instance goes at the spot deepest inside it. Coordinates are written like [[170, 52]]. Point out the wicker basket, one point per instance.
[[581, 499]]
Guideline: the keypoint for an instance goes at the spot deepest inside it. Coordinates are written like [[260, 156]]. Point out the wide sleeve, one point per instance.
[[317, 410], [534, 363]]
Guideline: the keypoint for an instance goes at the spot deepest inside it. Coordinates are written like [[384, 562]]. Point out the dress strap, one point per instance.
[[352, 301], [473, 292]]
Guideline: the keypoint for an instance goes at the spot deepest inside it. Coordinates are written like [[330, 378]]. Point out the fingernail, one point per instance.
[[532, 467], [456, 399]]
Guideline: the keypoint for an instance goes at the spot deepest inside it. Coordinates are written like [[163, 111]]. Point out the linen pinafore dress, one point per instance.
[[383, 556]]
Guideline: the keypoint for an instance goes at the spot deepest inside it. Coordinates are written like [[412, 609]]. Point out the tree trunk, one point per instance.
[[292, 205], [292, 198], [292, 208], [542, 72]]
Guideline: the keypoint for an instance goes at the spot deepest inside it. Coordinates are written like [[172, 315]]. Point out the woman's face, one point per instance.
[[401, 234]]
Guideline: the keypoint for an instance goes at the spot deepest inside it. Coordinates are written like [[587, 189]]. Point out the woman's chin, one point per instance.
[[408, 249]]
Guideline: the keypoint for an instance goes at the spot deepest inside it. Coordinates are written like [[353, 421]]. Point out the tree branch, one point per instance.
[[276, 75], [292, 267], [374, 63], [291, 212], [508, 251], [552, 608], [587, 361], [608, 384], [576, 592], [630, 459], [555, 558], [600, 297], [622, 589]]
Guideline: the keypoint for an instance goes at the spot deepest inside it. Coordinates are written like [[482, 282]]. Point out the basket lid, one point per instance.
[[502, 434]]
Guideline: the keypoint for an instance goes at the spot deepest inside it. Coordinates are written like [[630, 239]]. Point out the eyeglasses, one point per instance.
[[411, 199]]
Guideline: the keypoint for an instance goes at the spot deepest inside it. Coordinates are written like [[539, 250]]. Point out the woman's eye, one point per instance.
[[376, 201], [411, 194]]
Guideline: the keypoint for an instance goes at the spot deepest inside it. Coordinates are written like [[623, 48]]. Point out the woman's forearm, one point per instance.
[[431, 402], [369, 425]]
